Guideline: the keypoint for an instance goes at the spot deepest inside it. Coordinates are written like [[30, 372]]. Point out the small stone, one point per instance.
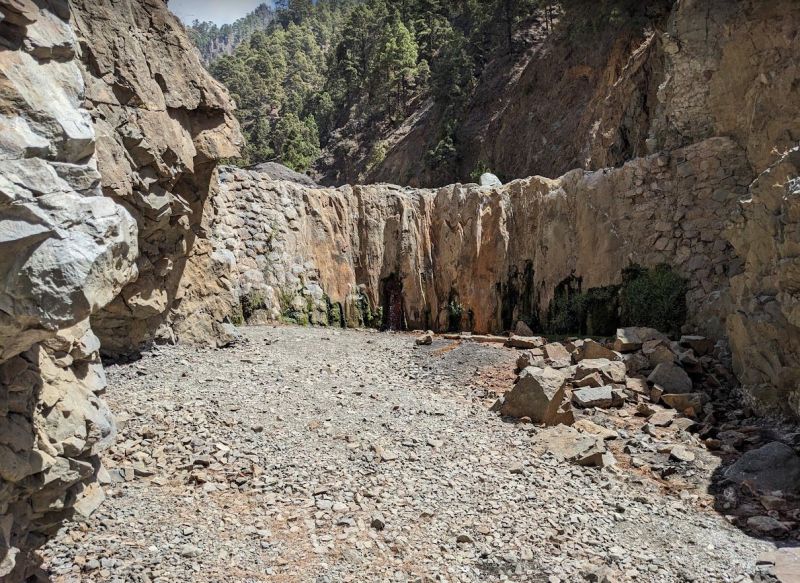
[[377, 523], [681, 453]]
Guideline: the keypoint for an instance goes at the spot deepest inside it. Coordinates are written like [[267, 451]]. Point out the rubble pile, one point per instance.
[[664, 407]]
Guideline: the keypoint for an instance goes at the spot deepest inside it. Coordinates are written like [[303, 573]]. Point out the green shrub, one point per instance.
[[653, 297], [454, 312]]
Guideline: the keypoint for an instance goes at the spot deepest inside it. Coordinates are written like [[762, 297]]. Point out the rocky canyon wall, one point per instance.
[[697, 122], [65, 252], [479, 258], [473, 258], [162, 124], [110, 132]]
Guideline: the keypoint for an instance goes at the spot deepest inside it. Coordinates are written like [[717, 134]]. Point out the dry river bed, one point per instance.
[[323, 456]]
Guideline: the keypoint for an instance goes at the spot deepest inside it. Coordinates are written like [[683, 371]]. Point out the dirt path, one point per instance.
[[319, 455]]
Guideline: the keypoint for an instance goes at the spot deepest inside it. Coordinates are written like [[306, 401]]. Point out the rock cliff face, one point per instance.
[[484, 257], [109, 135], [765, 327], [162, 124], [65, 252]]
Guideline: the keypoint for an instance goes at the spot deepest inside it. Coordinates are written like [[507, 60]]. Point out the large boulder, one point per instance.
[[774, 466], [590, 349], [610, 371], [537, 394]]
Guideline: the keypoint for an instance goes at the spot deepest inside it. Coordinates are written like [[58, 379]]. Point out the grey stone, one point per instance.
[[774, 466], [671, 378], [489, 180]]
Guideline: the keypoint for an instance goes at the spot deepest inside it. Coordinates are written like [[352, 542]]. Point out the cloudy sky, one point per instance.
[[219, 11]]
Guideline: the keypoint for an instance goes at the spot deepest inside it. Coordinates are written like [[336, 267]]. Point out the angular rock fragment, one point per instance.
[[681, 453], [593, 428], [685, 402], [662, 418], [522, 329], [537, 394], [594, 350], [611, 372], [774, 466], [627, 340], [601, 397], [657, 352], [556, 355], [700, 344], [533, 357], [671, 377], [525, 342], [424, 340]]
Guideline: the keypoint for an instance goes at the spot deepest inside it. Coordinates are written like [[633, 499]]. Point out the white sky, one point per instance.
[[219, 11]]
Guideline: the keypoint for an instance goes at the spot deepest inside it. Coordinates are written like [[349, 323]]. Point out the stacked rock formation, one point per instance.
[[100, 112]]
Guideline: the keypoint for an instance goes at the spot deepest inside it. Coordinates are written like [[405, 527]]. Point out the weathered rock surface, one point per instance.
[[538, 394], [162, 124], [476, 259], [65, 252], [97, 98]]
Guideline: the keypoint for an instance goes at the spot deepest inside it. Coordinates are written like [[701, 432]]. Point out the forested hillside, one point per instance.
[[213, 40], [353, 90]]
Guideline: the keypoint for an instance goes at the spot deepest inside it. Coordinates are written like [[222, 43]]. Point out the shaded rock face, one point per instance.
[[473, 258], [765, 328], [65, 252], [162, 124]]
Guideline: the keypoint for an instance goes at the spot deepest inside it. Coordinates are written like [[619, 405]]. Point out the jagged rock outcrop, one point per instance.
[[109, 139], [65, 252], [162, 124]]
